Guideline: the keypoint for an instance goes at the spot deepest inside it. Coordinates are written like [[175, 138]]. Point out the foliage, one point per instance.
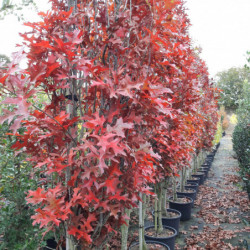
[[224, 118], [241, 136], [4, 59], [231, 83], [15, 8], [15, 222], [218, 134], [126, 76], [233, 119]]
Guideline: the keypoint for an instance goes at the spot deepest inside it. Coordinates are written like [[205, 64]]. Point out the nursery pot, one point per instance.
[[201, 176], [188, 194], [207, 164], [184, 208], [51, 244], [169, 240], [173, 222], [205, 168], [210, 158], [212, 154], [204, 171], [192, 185], [194, 181], [135, 245]]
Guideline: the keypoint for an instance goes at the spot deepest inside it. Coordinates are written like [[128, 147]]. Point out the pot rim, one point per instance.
[[149, 241], [193, 183], [166, 227], [181, 196], [194, 191], [178, 213]]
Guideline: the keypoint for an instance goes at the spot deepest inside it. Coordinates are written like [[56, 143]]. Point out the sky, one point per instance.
[[220, 27]]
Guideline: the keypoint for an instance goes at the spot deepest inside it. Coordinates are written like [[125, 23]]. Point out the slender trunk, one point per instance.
[[174, 191], [124, 230], [195, 163], [164, 199], [160, 226], [140, 225], [71, 109], [156, 209], [183, 178], [144, 199], [142, 243]]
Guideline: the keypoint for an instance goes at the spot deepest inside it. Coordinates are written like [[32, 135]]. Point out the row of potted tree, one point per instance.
[[114, 99], [167, 220]]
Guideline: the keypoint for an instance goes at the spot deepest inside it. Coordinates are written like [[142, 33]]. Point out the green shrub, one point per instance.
[[16, 229], [241, 145], [241, 137]]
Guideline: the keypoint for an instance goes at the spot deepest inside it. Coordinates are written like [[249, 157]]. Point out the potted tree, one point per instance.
[[181, 203], [158, 231], [189, 192], [169, 217]]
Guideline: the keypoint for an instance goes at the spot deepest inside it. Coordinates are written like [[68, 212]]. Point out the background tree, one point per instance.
[[15, 7], [231, 81], [4, 59]]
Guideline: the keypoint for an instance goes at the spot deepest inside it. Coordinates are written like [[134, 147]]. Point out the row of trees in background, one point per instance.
[[127, 102], [233, 83]]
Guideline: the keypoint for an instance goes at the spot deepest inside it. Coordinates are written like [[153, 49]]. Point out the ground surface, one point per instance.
[[220, 218]]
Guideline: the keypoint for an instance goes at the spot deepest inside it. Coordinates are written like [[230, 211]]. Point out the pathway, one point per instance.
[[221, 215]]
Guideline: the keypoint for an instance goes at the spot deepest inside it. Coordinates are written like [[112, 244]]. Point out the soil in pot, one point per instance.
[[189, 193], [183, 204], [167, 236], [164, 234], [171, 219], [194, 186], [152, 245]]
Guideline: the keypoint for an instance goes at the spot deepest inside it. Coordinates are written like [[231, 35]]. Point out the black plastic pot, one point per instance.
[[184, 208], [194, 181], [170, 241], [173, 222], [210, 157], [201, 176], [204, 168], [188, 194], [193, 185], [51, 244], [207, 164], [149, 242], [211, 154], [204, 171]]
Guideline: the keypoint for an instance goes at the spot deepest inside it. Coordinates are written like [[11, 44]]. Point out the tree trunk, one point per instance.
[[124, 230], [142, 243], [160, 226], [164, 199]]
